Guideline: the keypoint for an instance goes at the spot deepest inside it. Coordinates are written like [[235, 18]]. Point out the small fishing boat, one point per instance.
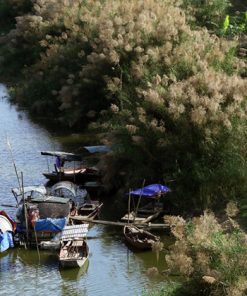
[[149, 197], [74, 250], [90, 209], [73, 253], [78, 172], [138, 238]]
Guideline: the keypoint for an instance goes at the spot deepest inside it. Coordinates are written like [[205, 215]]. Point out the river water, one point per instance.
[[112, 268]]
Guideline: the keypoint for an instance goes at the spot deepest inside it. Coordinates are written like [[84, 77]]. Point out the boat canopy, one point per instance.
[[97, 149], [71, 232], [66, 156], [5, 224], [69, 190], [151, 190], [64, 185], [50, 199], [29, 189]]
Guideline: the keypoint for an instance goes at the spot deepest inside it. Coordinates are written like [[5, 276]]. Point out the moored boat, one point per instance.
[[77, 173], [149, 197], [90, 209], [138, 238], [73, 253], [74, 250]]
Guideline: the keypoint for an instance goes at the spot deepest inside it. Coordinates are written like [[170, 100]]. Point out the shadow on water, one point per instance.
[[31, 257]]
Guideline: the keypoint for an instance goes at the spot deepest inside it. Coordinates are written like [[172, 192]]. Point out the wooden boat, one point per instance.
[[73, 253], [139, 238], [151, 209], [139, 217], [78, 172], [90, 209], [39, 216], [74, 250]]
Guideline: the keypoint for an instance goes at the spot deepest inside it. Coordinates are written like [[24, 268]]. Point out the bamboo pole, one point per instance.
[[15, 168], [138, 203], [129, 208], [25, 208], [121, 224], [37, 246]]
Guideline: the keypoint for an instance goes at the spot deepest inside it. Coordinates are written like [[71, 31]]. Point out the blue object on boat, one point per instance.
[[6, 241], [50, 225], [151, 190]]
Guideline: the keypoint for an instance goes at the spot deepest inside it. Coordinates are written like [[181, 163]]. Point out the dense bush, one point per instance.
[[211, 255], [169, 99]]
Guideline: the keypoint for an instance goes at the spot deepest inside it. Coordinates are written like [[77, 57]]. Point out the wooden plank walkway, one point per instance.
[[121, 224]]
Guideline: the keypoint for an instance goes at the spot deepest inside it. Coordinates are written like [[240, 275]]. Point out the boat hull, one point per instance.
[[138, 238], [76, 178], [73, 253], [70, 263]]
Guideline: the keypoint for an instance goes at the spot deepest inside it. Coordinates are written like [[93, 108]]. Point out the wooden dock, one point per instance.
[[148, 225]]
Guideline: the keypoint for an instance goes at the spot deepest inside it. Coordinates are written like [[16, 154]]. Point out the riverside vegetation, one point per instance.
[[164, 83]]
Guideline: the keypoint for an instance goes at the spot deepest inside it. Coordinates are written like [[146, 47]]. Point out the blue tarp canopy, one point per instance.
[[97, 149], [50, 225], [6, 241], [151, 190]]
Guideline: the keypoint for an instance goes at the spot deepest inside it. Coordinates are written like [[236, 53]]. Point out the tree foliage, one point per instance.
[[169, 96]]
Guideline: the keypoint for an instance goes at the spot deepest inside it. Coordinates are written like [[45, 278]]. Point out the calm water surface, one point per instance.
[[112, 268]]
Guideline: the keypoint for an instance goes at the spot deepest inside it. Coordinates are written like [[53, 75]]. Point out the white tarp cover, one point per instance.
[[30, 189], [71, 232], [5, 224]]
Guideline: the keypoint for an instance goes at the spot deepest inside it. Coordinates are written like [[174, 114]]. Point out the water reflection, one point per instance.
[[73, 274]]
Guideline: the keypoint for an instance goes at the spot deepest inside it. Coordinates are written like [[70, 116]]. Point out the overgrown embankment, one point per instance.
[[158, 78], [165, 82]]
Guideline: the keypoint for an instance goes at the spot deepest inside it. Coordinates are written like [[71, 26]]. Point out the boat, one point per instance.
[[74, 249], [73, 253], [7, 229], [151, 209], [90, 209], [39, 216], [78, 172], [138, 238], [81, 204], [77, 194]]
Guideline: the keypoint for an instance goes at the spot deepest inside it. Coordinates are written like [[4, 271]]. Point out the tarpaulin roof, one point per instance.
[[10, 219], [5, 224], [97, 149], [29, 189], [151, 190], [71, 232], [64, 185], [50, 199], [50, 225], [66, 156]]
